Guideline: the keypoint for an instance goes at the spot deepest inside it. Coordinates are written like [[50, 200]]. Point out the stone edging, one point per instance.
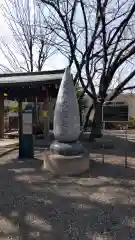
[[14, 147]]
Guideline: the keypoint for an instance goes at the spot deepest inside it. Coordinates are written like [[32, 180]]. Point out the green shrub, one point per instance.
[[131, 123], [13, 108], [132, 118]]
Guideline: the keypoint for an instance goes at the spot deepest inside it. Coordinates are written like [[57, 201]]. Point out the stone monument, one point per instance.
[[67, 156]]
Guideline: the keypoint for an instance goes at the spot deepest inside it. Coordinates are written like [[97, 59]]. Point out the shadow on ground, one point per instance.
[[111, 170], [35, 205], [120, 146]]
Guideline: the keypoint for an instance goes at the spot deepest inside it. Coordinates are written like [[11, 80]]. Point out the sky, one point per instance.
[[56, 62], [4, 31]]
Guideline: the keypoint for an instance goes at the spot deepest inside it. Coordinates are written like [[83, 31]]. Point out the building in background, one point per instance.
[[123, 98]]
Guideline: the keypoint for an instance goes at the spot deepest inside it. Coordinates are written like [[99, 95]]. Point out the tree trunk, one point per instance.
[[96, 131], [80, 112], [87, 117]]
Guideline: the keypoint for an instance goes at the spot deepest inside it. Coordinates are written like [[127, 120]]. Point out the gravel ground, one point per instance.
[[36, 205]]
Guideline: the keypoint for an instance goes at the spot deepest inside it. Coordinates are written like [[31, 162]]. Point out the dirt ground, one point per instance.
[[94, 206]]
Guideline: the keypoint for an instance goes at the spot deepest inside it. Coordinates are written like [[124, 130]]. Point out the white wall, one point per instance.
[[128, 99]]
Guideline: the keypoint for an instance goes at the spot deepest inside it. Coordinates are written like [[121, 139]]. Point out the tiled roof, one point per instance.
[[45, 76]]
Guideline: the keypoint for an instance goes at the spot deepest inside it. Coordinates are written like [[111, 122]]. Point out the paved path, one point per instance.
[[8, 142], [35, 205], [7, 145]]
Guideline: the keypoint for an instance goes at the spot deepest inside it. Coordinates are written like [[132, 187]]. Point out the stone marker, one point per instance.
[[67, 156], [66, 114]]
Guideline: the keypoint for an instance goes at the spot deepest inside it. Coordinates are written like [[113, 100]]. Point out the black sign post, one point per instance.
[[26, 149], [115, 113]]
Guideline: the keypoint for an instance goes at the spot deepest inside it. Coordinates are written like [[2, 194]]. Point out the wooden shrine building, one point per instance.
[[35, 86]]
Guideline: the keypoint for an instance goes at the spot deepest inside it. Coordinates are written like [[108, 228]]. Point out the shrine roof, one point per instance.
[[46, 77]]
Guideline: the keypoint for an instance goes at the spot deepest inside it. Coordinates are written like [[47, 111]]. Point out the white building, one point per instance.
[[128, 99]]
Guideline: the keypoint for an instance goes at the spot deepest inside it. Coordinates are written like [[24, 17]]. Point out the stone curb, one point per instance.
[[13, 148]]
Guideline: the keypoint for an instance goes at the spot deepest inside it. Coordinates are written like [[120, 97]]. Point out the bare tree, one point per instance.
[[31, 42], [98, 38]]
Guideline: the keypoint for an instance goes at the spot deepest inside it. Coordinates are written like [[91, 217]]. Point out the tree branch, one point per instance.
[[123, 24], [120, 87]]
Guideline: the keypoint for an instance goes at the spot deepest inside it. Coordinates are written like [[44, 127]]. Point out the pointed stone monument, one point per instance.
[[67, 156]]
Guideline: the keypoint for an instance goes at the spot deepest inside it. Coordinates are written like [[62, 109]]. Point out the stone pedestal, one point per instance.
[[67, 149], [66, 165], [1, 115]]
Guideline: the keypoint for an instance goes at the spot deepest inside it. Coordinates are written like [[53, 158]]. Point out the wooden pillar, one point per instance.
[[20, 126], [46, 117], [34, 111], [1, 115]]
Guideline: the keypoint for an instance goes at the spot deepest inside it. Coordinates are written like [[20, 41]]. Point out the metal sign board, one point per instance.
[[115, 113], [27, 123]]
